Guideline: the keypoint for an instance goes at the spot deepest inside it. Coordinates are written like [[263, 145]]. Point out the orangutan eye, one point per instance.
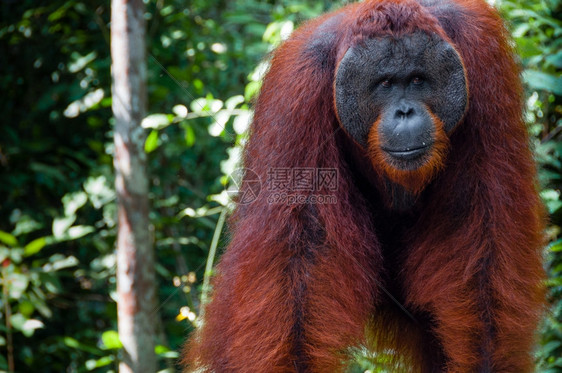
[[386, 83]]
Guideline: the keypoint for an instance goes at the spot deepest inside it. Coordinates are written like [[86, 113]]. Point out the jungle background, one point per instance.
[[205, 62]]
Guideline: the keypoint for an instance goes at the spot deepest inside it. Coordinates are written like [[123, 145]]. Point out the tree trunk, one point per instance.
[[135, 256]]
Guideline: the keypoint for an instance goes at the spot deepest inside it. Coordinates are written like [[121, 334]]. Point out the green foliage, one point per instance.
[[58, 225], [537, 30], [205, 63]]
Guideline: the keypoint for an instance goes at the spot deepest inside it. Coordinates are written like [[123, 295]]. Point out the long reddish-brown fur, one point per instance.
[[302, 283]]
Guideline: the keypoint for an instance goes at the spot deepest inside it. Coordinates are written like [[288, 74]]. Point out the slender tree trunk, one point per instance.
[[135, 256]]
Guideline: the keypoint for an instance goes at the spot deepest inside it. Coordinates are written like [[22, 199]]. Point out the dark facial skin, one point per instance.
[[400, 84]]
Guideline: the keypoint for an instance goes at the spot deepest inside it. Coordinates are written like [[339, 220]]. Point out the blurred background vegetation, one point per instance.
[[57, 202]]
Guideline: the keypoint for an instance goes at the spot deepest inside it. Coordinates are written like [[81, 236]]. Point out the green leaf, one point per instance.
[[15, 254], [218, 126], [233, 101], [199, 105], [73, 201], [79, 61], [251, 90], [542, 81], [550, 346], [29, 327], [18, 320], [34, 246], [101, 362], [58, 262], [180, 110], [61, 225], [160, 349], [520, 30], [79, 231], [25, 224], [555, 59], [157, 121], [214, 105], [48, 171], [26, 308], [99, 190], [189, 136], [38, 299], [527, 47], [242, 122], [556, 246], [111, 340], [17, 283], [551, 199], [49, 280], [151, 142], [8, 239], [73, 343], [198, 84], [165, 352]]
